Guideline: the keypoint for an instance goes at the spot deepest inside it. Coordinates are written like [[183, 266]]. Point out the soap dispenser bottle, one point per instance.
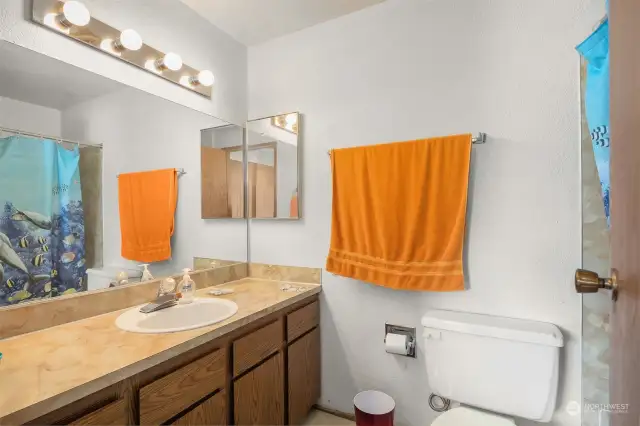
[[187, 288], [146, 274]]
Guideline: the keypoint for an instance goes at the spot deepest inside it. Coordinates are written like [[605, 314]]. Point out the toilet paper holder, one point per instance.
[[410, 332]]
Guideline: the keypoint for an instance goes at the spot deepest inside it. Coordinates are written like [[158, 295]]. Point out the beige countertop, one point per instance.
[[48, 369]]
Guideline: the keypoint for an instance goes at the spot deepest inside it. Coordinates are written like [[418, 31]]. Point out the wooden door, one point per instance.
[[213, 164], [251, 187], [259, 395], [235, 180], [265, 190], [304, 375], [212, 411], [625, 210]]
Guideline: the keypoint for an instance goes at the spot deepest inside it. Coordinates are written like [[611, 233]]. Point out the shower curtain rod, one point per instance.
[[53, 138], [478, 139]]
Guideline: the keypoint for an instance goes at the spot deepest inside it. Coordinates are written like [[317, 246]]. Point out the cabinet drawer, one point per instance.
[[112, 414], [302, 320], [164, 398], [253, 348]]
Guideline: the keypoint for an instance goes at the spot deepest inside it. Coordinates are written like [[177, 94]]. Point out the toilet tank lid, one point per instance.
[[540, 333]]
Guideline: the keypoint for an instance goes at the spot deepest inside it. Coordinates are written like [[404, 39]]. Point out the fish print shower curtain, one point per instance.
[[595, 50], [41, 220]]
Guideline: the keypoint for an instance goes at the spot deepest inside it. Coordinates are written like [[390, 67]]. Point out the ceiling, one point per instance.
[[256, 21], [38, 79]]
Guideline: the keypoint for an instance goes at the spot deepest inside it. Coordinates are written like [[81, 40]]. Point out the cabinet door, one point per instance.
[[304, 375], [112, 414], [213, 411], [259, 395]]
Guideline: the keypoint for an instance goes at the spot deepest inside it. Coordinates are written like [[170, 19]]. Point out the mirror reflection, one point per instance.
[[273, 175], [68, 137], [222, 172]]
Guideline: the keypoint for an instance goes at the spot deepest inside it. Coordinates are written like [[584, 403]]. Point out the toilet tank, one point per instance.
[[504, 365]]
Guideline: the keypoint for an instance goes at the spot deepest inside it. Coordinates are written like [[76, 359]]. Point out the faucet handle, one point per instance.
[[167, 286]]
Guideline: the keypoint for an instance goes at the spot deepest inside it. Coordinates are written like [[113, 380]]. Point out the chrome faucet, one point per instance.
[[167, 296]]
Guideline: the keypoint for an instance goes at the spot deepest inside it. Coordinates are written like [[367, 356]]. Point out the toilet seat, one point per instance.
[[465, 416]]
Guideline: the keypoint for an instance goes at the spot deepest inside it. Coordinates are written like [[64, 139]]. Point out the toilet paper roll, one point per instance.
[[397, 344]]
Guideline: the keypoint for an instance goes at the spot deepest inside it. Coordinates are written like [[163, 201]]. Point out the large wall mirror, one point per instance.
[[273, 179], [66, 137]]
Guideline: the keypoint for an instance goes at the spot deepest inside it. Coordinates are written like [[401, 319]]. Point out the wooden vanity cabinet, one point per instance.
[[265, 373], [303, 361], [304, 375], [259, 394], [114, 414], [212, 411]]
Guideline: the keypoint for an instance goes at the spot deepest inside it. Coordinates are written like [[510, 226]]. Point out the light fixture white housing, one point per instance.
[[171, 61], [75, 19], [129, 40], [74, 13]]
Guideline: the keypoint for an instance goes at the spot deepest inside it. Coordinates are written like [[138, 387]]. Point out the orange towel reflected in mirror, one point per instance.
[[399, 213], [147, 208]]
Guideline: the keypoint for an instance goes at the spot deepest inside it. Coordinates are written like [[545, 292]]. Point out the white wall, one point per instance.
[[168, 25], [29, 117], [410, 69], [143, 132]]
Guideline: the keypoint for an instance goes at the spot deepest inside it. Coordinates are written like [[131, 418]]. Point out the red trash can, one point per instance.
[[374, 408]]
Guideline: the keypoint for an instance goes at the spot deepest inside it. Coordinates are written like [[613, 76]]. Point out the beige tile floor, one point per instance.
[[320, 418]]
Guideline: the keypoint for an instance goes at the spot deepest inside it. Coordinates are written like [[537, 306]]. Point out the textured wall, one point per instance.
[[408, 69], [165, 24], [29, 117]]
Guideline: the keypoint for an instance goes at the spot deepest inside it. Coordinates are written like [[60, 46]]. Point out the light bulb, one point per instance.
[[129, 39], [51, 20], [171, 61], [291, 119], [107, 46], [151, 66], [204, 78], [74, 13]]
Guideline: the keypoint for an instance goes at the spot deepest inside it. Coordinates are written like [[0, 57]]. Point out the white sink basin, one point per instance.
[[199, 313]]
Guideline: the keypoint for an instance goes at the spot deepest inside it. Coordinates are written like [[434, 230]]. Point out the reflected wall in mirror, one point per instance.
[[273, 179], [222, 172], [59, 201]]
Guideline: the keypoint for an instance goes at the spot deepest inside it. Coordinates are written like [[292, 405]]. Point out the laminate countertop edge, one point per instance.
[[74, 394]]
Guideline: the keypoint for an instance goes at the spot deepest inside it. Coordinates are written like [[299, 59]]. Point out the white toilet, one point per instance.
[[494, 367]]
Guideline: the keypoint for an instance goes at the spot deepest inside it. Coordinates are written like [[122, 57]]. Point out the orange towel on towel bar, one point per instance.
[[399, 213], [147, 208]]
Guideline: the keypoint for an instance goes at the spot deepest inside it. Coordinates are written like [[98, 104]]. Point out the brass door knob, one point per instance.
[[590, 282]]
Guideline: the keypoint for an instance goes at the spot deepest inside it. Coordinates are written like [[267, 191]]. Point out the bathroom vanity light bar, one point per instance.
[[72, 19]]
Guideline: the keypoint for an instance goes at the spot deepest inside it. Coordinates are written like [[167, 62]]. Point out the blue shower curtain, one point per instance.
[[41, 220], [595, 50]]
